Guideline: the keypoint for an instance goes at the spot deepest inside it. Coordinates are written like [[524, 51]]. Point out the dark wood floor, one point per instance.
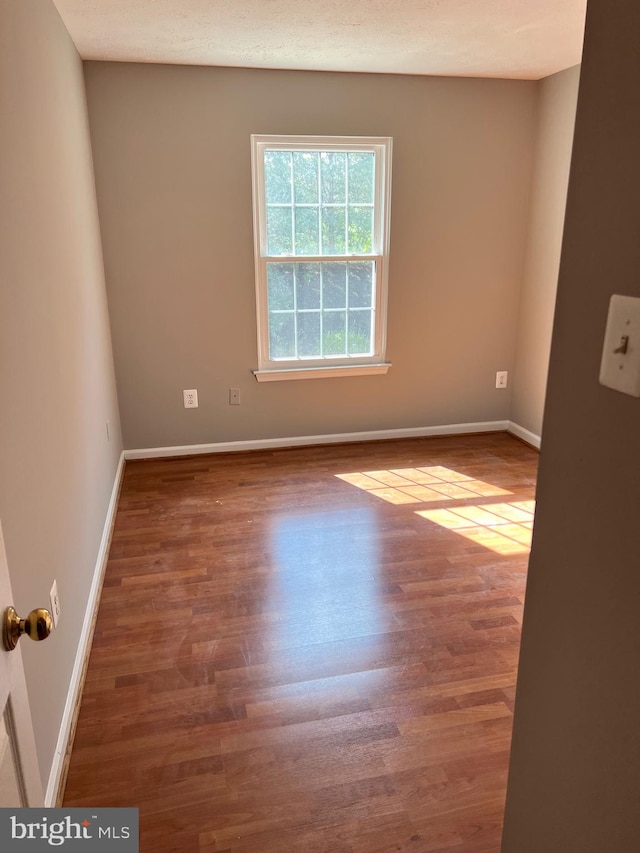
[[311, 649]]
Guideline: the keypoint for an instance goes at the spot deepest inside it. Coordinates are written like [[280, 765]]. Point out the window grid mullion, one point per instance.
[[346, 203], [314, 204], [292, 204], [321, 312], [295, 311], [360, 308], [320, 259], [320, 240]]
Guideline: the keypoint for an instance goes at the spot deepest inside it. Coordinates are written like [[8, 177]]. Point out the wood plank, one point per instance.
[[290, 657]]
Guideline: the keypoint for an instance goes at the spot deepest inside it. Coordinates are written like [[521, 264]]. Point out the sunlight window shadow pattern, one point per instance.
[[504, 528], [421, 485]]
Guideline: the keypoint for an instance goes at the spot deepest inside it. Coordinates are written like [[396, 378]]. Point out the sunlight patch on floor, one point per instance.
[[421, 485], [504, 528]]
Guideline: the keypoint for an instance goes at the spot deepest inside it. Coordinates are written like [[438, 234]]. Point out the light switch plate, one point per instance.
[[620, 370]]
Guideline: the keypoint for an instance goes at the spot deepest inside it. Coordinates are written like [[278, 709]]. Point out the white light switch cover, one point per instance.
[[621, 371]]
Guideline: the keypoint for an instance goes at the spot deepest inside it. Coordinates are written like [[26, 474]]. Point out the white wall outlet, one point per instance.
[[55, 604], [190, 399], [234, 396], [620, 365], [501, 378]]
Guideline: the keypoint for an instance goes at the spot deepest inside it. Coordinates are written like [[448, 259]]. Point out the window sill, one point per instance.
[[321, 372]]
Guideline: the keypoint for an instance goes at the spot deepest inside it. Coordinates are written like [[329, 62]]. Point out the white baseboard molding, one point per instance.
[[524, 434], [58, 766], [306, 440]]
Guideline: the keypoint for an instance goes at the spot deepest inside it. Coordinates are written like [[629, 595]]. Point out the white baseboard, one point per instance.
[[525, 434], [84, 646], [305, 440]]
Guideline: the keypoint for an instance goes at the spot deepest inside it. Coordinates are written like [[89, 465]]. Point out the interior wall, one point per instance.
[[556, 110], [573, 785], [57, 384], [172, 156]]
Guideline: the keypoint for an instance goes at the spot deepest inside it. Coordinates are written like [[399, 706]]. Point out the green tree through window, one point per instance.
[[321, 234]]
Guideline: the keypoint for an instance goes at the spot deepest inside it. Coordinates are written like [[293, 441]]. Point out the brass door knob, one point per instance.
[[37, 625]]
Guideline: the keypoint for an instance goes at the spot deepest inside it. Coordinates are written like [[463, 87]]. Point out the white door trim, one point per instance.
[[13, 687]]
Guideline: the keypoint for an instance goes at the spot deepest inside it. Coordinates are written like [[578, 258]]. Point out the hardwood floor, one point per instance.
[[311, 649]]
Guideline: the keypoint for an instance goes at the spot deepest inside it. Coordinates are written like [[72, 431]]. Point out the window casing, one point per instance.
[[321, 209]]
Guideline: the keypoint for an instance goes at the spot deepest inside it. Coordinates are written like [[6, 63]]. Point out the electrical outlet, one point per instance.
[[234, 396], [55, 604], [501, 378], [190, 399]]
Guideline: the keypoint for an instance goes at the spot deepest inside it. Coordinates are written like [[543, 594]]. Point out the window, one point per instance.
[[321, 231]]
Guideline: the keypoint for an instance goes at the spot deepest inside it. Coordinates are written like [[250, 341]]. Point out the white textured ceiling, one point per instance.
[[470, 38]]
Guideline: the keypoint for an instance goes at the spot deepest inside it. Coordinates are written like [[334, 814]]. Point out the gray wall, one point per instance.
[[573, 785], [555, 117], [172, 157], [56, 371]]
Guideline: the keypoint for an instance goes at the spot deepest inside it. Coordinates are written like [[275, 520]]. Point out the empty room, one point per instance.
[[318, 435]]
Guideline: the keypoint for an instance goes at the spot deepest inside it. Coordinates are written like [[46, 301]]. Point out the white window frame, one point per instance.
[[328, 366]]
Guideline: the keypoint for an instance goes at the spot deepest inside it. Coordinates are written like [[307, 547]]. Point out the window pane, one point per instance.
[[334, 338], [307, 231], [308, 285], [302, 290], [333, 230], [361, 285], [282, 336], [333, 174], [361, 172], [280, 287], [334, 285], [279, 240], [360, 230], [305, 177], [360, 333], [277, 176], [309, 334]]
